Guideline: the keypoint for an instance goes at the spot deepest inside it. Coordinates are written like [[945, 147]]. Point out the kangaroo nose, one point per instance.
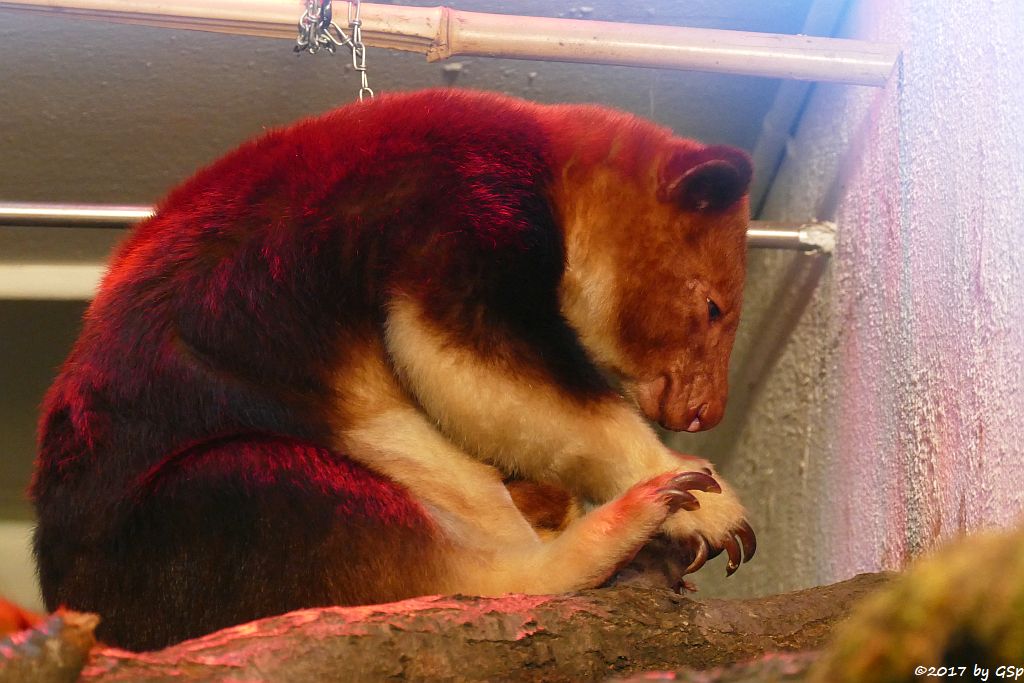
[[697, 423]]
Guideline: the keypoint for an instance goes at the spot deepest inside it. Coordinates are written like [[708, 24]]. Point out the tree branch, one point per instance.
[[588, 635]]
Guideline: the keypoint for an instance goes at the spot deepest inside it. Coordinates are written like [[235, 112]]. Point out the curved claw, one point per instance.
[[747, 539], [695, 481], [680, 500], [735, 557], [700, 559]]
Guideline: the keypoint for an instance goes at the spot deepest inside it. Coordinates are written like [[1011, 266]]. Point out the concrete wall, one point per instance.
[[881, 403]]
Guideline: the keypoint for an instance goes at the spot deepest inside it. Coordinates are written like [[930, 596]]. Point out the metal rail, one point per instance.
[[809, 236], [79, 281], [31, 215]]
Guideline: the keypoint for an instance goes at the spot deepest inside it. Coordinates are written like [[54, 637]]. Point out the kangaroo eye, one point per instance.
[[714, 312]]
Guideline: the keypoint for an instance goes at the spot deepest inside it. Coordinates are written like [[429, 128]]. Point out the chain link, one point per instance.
[[358, 49], [318, 31]]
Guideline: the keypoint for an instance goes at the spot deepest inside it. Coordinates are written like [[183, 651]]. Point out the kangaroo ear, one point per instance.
[[707, 180]]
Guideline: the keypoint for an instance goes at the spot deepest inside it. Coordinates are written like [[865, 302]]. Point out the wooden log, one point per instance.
[[53, 652], [591, 635]]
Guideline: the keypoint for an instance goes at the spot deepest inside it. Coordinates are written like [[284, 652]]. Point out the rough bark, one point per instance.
[[592, 635], [774, 667], [55, 651]]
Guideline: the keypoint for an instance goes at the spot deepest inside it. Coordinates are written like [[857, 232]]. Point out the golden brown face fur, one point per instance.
[[654, 279]]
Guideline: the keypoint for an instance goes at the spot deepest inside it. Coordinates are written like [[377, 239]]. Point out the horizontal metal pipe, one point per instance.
[[50, 281], [79, 281], [29, 214], [442, 32], [805, 58], [761, 235], [816, 236]]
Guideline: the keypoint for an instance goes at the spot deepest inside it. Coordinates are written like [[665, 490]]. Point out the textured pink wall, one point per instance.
[[930, 404], [879, 407]]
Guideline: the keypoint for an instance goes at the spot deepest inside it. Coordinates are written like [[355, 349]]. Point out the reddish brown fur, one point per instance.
[[203, 452], [548, 508]]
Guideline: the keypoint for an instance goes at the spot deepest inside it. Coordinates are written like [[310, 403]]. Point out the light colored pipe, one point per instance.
[[50, 281], [27, 214], [442, 32], [761, 235], [814, 236], [79, 281]]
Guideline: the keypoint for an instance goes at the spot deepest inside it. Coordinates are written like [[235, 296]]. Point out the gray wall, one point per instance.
[[885, 410]]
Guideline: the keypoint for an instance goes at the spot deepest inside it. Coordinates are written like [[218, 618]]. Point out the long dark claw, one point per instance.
[[695, 481], [747, 538], [681, 500], [735, 558], [700, 559]]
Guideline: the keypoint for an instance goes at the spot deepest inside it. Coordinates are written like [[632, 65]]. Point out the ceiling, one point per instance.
[[108, 113], [99, 112]]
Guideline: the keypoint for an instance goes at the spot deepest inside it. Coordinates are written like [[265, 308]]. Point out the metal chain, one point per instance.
[[317, 31], [358, 49], [315, 28]]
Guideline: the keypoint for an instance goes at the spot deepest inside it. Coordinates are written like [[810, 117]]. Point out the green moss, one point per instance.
[[961, 607]]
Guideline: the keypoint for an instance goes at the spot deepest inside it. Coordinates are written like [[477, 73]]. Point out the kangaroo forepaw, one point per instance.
[[739, 543], [715, 525]]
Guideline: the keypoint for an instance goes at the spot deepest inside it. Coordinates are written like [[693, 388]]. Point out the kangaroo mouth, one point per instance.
[[667, 400]]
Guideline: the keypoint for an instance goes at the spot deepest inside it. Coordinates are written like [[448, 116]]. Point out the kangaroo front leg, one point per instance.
[[490, 547], [597, 448], [616, 531]]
